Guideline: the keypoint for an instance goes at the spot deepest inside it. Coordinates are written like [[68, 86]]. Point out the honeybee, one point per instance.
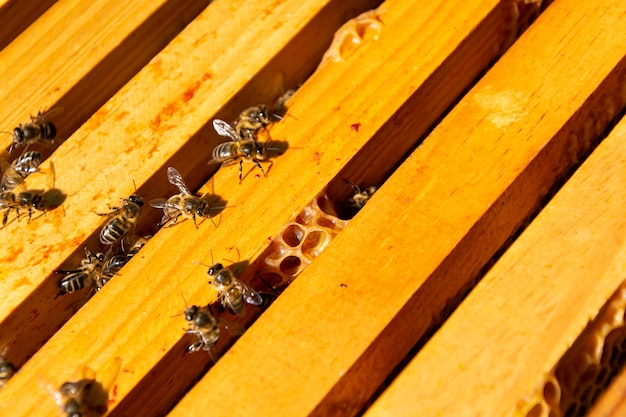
[[251, 120], [39, 130], [121, 220], [27, 199], [31, 200], [184, 204], [360, 196], [89, 271], [241, 149], [6, 368], [203, 324], [231, 292], [110, 267], [14, 173], [134, 250], [87, 396]]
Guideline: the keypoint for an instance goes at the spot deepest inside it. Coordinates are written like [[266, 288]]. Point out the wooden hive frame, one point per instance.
[[330, 340]]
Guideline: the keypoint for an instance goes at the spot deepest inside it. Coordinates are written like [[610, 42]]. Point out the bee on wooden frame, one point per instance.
[[87, 396], [89, 270], [111, 265], [184, 204], [240, 149], [360, 196], [204, 325], [231, 292], [15, 173], [22, 199], [207, 327], [30, 200], [121, 219], [7, 370], [137, 245], [251, 120], [39, 130]]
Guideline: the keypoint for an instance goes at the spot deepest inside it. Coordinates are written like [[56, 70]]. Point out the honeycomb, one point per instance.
[[300, 241], [586, 369], [352, 35]]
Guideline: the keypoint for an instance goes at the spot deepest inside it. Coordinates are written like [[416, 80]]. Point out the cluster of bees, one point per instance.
[[97, 268], [14, 196]]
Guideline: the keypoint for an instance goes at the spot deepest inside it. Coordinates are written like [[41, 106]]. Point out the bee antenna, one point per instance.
[[203, 264]]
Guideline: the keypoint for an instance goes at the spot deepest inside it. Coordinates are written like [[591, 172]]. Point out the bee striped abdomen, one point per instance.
[[73, 282]]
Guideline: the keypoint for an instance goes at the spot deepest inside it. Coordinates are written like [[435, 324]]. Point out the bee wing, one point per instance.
[[159, 203], [47, 114], [224, 129], [176, 179], [250, 295]]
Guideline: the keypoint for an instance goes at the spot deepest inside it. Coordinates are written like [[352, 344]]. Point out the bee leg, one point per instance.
[[193, 217], [240, 170], [175, 220], [260, 167], [113, 210], [5, 218], [195, 347]]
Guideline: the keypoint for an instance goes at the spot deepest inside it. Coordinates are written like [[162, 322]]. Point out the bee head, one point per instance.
[[215, 269], [262, 116], [191, 312], [137, 199], [18, 135], [260, 151]]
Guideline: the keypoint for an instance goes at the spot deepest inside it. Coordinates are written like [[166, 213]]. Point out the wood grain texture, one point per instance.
[[15, 16], [77, 54], [526, 312], [337, 332], [158, 126], [333, 335]]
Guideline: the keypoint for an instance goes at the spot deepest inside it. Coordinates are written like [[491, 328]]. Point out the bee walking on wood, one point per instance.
[[121, 219], [140, 242], [89, 271], [203, 324], [251, 120], [15, 173], [184, 204], [6, 368], [360, 196], [39, 130], [231, 292], [23, 200], [88, 396], [29, 200], [239, 149], [110, 267]]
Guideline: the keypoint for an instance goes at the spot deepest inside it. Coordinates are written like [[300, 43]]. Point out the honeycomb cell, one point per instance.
[[552, 393], [315, 243], [536, 411], [587, 368], [290, 265], [302, 239], [293, 235], [306, 216], [350, 37]]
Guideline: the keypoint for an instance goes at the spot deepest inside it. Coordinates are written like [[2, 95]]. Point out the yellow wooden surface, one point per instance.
[[448, 209], [16, 15], [139, 132], [79, 53], [335, 333], [522, 317]]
